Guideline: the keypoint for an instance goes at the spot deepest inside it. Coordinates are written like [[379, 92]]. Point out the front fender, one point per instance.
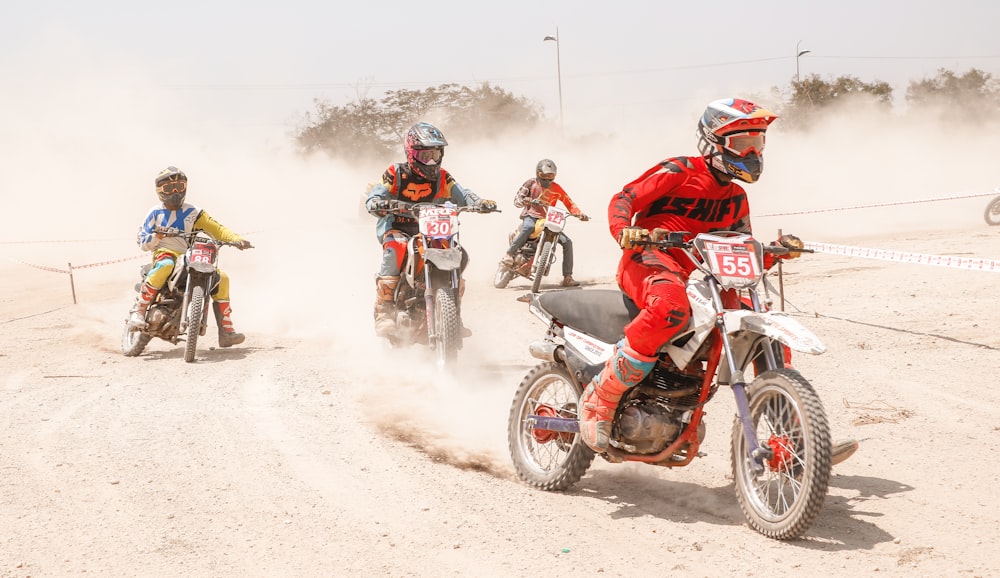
[[444, 259], [775, 325]]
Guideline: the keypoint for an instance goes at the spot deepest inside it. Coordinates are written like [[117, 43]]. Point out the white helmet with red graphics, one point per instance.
[[731, 137]]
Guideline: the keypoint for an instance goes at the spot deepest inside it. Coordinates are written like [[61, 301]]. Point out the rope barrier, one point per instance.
[[972, 263], [59, 241], [71, 267], [877, 205]]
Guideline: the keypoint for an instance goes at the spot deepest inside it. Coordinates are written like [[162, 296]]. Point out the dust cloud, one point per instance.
[[78, 178]]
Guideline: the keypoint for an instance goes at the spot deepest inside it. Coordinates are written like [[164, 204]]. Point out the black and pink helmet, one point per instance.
[[424, 146]]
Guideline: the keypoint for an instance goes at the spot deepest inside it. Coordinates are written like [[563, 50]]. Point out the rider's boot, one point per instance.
[[138, 317], [385, 305], [569, 281], [228, 336], [626, 368]]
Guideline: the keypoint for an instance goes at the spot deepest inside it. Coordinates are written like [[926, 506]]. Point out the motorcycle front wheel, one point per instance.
[[992, 214], [448, 325], [541, 265], [133, 341], [783, 500], [545, 459], [195, 314]]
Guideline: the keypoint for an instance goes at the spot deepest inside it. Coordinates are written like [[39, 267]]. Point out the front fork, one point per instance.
[[755, 451], [192, 282], [547, 236], [429, 302]]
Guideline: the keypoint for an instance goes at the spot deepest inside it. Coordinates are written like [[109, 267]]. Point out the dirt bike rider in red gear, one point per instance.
[[546, 192], [695, 194], [419, 180], [173, 214]]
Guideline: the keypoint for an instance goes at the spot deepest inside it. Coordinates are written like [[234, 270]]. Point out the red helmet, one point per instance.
[[731, 137], [424, 146], [171, 187]]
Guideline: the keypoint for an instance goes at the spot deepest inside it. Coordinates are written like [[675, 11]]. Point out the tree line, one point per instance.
[[374, 128]]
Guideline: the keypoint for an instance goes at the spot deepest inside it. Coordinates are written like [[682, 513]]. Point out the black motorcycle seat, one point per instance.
[[600, 313]]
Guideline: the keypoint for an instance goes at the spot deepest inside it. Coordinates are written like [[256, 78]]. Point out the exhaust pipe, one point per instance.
[[547, 351]]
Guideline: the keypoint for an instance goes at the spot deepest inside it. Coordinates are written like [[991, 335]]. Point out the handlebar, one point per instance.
[[410, 209], [196, 236], [675, 240]]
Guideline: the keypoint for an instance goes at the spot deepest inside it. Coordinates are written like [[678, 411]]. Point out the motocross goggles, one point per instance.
[[744, 143], [173, 187], [428, 156]]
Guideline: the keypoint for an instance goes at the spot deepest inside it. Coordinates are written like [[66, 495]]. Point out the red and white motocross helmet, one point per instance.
[[731, 137]]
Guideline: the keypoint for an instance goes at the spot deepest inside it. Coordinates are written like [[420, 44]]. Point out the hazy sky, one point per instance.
[[259, 64], [99, 96]]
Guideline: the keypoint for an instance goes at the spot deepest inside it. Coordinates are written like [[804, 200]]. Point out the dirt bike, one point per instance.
[[992, 213], [780, 443], [179, 310], [428, 300], [535, 258]]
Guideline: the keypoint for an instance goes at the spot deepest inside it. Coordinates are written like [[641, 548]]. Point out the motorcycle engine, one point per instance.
[[647, 427], [162, 321], [656, 409]]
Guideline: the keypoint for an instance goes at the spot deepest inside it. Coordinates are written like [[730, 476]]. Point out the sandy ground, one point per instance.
[[312, 450]]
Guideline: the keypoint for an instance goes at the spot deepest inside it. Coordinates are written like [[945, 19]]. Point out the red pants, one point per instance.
[[657, 285]]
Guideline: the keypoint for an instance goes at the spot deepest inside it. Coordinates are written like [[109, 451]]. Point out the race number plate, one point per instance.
[[735, 262], [556, 216], [203, 253], [438, 222]]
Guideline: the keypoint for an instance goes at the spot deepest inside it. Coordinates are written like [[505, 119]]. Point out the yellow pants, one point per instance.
[[163, 266]]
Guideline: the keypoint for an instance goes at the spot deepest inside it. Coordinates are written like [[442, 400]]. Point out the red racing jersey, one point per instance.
[[532, 189], [679, 194]]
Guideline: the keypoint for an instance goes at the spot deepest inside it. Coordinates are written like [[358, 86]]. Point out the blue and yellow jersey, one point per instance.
[[187, 219]]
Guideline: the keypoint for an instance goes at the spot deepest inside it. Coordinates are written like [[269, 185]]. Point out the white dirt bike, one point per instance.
[[428, 303], [781, 451]]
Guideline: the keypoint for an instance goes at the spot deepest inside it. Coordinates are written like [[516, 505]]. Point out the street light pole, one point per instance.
[[558, 72], [798, 53]]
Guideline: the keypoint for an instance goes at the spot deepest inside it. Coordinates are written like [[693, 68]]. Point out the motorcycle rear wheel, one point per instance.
[[195, 313], [783, 501], [541, 265], [133, 341], [992, 213], [551, 461], [448, 325]]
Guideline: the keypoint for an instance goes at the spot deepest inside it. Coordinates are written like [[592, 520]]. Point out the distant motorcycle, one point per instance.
[[535, 258], [992, 213], [179, 312], [428, 307], [781, 451]]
